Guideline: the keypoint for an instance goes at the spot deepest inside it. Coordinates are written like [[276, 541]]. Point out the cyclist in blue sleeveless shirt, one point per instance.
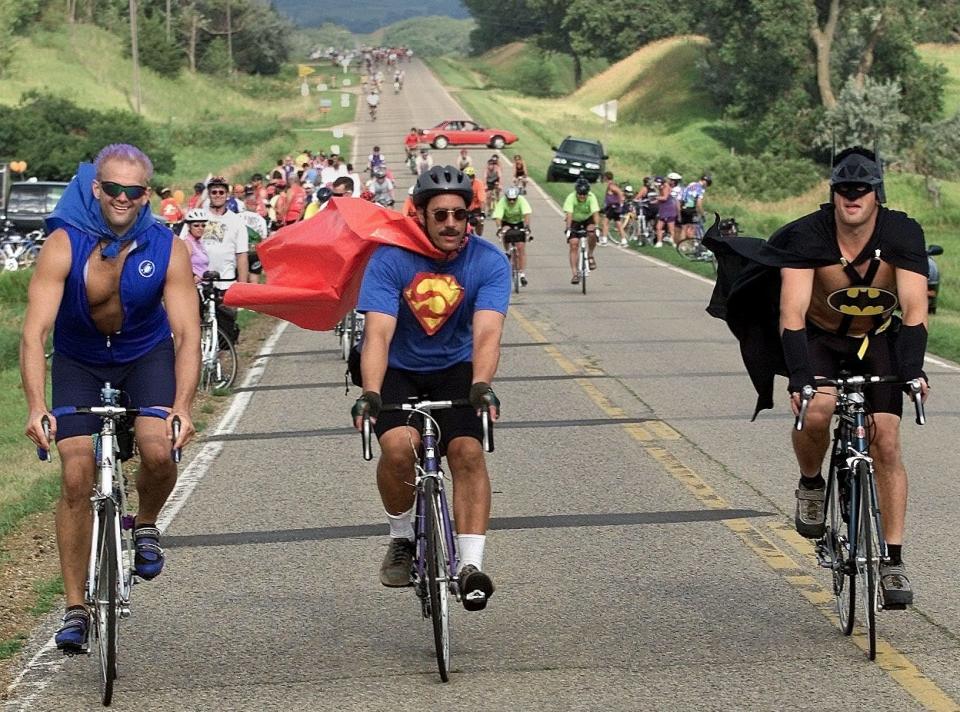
[[116, 288], [433, 330]]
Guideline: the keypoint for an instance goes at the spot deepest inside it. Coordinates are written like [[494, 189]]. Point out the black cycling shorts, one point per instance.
[[574, 224], [148, 381], [612, 212], [688, 216], [830, 354], [514, 233], [449, 384]]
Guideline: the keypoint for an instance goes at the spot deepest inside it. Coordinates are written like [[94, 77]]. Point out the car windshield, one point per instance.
[[580, 148], [38, 199]]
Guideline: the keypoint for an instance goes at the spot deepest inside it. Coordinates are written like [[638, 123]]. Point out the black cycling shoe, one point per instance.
[[895, 587], [475, 588], [72, 636]]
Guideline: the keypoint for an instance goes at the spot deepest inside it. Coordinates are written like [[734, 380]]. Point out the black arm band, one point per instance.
[[911, 346], [796, 356]]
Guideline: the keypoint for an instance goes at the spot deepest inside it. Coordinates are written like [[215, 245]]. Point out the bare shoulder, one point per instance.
[[56, 256]]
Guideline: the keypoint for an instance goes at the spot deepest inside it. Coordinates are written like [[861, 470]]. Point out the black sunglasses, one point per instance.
[[459, 214], [198, 223], [852, 191], [133, 192], [218, 191]]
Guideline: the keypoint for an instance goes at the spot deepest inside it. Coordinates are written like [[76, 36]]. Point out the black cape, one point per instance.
[[747, 292]]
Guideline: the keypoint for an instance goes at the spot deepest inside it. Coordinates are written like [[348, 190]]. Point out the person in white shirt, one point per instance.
[[225, 236], [328, 174], [424, 161]]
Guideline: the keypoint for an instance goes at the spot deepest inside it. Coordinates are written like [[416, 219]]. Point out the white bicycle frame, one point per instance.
[[584, 262], [209, 339]]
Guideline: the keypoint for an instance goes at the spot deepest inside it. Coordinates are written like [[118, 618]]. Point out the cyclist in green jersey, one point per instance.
[[513, 211], [581, 209]]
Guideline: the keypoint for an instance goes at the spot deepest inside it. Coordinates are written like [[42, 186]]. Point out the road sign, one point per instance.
[[304, 70], [345, 100], [607, 110]]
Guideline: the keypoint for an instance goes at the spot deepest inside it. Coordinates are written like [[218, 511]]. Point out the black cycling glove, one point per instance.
[[482, 396], [796, 356], [369, 403], [910, 348]]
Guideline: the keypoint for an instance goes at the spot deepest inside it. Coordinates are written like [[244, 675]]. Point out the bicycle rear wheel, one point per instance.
[[868, 558], [227, 362], [689, 247], [105, 604], [438, 577], [837, 540]]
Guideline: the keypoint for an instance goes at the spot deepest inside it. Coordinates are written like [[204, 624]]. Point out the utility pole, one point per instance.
[[229, 39], [136, 55]]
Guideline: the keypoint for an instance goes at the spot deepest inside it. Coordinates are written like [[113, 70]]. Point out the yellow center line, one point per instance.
[[654, 433]]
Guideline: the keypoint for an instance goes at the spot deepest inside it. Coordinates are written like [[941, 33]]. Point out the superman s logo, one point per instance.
[[433, 298], [862, 301]]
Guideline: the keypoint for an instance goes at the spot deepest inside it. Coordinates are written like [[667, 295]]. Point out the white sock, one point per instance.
[[471, 549], [401, 525]]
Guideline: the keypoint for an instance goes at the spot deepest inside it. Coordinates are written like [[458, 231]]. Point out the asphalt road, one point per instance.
[[679, 587]]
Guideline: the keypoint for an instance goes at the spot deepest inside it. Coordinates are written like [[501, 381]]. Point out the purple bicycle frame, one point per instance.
[[431, 468]]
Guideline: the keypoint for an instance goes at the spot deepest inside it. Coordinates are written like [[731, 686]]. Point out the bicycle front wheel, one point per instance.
[[868, 559], [515, 264], [438, 577], [227, 364], [837, 542], [105, 604]]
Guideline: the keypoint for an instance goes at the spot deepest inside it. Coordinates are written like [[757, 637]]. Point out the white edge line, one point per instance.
[[187, 482]]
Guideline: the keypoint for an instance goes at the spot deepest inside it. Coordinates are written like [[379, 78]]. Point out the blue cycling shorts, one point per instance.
[[147, 381]]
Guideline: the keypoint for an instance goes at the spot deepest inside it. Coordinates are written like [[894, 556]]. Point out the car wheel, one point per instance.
[[440, 142], [497, 142]]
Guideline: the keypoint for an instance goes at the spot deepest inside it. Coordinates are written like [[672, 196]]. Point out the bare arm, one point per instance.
[[377, 334], [243, 266], [487, 330], [183, 310], [43, 303], [796, 290]]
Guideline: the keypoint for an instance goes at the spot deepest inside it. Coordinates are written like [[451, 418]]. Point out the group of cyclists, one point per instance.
[[105, 236]]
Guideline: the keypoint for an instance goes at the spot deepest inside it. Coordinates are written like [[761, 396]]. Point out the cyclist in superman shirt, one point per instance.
[[444, 345], [513, 211]]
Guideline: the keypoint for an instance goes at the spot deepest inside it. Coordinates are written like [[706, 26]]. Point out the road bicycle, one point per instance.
[[512, 235], [493, 195], [350, 332], [853, 546], [435, 563], [110, 571], [218, 355], [693, 249], [583, 253], [476, 220]]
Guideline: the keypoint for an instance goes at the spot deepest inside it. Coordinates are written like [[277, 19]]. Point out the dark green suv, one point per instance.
[[576, 157], [30, 202]]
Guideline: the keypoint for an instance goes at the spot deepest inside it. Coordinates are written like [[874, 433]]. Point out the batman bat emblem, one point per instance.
[[862, 301]]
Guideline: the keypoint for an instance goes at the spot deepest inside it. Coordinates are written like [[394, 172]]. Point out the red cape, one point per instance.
[[314, 267]]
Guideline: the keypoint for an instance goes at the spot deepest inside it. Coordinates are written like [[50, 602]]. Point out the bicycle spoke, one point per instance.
[[438, 577]]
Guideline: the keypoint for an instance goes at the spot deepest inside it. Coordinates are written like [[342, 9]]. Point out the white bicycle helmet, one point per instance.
[[512, 193], [197, 215]]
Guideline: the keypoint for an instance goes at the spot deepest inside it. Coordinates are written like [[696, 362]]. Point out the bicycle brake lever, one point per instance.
[[42, 453], [365, 434], [487, 430], [176, 453], [917, 396], [805, 396]]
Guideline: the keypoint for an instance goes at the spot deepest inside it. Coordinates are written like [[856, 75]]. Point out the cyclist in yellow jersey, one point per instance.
[[581, 209], [513, 211]]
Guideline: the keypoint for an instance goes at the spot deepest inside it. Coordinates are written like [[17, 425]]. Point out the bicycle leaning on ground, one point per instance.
[[853, 546], [435, 560], [19, 251], [110, 572], [218, 355], [692, 247]]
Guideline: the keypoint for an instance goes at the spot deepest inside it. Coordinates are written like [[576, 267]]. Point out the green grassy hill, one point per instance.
[[666, 122], [231, 125]]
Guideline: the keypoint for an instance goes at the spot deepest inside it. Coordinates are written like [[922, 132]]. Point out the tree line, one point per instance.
[[796, 76]]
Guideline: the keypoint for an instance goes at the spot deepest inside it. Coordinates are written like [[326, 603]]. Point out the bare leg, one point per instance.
[[158, 472], [74, 515], [395, 469], [891, 476], [471, 485]]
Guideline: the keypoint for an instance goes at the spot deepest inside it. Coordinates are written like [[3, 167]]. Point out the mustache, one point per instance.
[[450, 232]]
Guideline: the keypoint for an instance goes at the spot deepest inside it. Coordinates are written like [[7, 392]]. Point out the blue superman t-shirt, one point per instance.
[[434, 302]]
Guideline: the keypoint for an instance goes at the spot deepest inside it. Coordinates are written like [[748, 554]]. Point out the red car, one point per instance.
[[463, 133]]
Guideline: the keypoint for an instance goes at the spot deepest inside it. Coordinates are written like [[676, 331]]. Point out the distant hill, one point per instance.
[[364, 16]]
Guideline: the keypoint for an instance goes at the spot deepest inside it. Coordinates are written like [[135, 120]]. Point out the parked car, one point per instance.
[[933, 279], [465, 133], [30, 202], [576, 157]]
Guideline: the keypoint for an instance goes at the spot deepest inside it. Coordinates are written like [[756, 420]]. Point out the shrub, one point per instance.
[[535, 77], [764, 177]]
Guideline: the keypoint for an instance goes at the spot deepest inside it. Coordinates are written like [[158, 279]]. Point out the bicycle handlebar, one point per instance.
[[426, 405], [114, 412], [857, 383]]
